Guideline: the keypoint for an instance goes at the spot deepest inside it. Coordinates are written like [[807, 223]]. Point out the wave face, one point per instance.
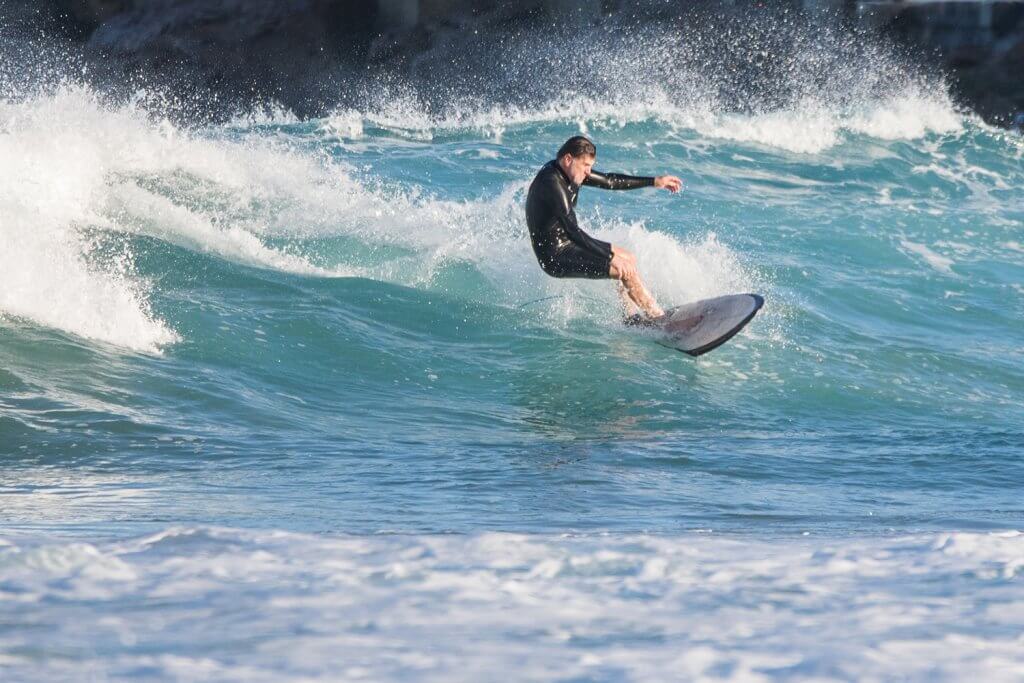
[[317, 327]]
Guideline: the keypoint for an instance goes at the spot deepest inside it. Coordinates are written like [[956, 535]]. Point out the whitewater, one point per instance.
[[287, 399]]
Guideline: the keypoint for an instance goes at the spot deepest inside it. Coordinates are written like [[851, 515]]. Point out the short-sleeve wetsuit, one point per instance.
[[561, 247]]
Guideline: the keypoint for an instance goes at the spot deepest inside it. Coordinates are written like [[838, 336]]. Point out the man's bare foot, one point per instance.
[[638, 320]]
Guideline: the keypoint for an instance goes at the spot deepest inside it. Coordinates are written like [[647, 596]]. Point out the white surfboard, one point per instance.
[[701, 326]]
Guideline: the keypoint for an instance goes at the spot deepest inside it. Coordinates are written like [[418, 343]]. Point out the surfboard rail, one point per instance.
[[701, 326]]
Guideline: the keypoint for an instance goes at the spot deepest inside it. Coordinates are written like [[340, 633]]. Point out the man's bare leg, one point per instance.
[[635, 290], [623, 269], [641, 297], [629, 307]]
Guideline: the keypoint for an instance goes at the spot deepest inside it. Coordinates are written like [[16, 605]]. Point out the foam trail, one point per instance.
[[158, 216]]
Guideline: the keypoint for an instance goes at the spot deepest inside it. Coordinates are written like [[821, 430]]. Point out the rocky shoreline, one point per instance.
[[306, 55]]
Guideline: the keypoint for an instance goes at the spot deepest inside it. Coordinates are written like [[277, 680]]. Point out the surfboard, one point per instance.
[[698, 327]]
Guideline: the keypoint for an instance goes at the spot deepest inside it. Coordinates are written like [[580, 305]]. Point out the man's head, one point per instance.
[[576, 158]]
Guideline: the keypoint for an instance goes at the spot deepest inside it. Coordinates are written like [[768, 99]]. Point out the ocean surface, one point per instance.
[[290, 400]]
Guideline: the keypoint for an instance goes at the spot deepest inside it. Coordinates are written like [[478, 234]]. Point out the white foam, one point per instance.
[[345, 124], [56, 153], [809, 126], [407, 116], [814, 125], [936, 261], [908, 116], [802, 130], [158, 216], [676, 271], [1013, 245], [272, 114], [72, 162], [277, 606]]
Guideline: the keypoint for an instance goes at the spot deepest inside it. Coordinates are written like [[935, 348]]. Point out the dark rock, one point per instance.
[[979, 44], [217, 56], [289, 51], [92, 13]]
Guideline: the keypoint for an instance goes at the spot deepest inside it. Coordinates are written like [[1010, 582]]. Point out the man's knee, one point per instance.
[[623, 276], [629, 278]]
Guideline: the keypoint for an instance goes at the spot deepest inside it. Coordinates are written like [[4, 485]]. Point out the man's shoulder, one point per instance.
[[545, 176], [548, 169], [550, 175], [549, 190]]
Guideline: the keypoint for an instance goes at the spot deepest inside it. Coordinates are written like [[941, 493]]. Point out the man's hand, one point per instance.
[[669, 182]]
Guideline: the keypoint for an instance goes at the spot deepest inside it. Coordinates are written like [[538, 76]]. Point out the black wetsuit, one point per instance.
[[562, 249]]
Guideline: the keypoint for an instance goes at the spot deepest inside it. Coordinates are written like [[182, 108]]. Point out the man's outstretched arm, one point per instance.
[[619, 181]]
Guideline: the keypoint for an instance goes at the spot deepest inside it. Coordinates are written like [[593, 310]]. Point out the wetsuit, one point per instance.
[[562, 248]]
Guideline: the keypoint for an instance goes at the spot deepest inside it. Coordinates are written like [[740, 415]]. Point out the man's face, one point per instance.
[[577, 168]]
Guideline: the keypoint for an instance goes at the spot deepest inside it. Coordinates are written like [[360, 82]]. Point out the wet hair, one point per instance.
[[577, 146]]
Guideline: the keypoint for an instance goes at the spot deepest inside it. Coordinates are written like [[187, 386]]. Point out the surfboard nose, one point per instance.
[[698, 327]]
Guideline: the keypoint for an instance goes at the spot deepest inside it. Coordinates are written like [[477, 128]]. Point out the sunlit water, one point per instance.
[[291, 400]]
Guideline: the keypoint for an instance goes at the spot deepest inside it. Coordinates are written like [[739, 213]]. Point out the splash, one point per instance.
[[808, 126], [57, 149], [766, 79], [81, 167]]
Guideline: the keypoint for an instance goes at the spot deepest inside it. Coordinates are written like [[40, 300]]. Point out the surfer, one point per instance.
[[561, 247]]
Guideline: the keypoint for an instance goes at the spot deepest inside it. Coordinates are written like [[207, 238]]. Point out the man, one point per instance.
[[561, 247]]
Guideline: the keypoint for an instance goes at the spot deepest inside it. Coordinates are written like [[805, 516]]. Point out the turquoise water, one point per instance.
[[288, 399]]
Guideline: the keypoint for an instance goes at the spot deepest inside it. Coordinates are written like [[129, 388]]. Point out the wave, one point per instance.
[[80, 168], [58, 150], [267, 190], [809, 126], [94, 169]]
